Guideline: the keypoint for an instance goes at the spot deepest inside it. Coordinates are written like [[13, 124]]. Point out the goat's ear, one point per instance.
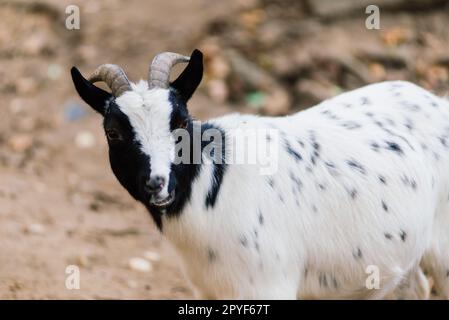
[[190, 78], [92, 95]]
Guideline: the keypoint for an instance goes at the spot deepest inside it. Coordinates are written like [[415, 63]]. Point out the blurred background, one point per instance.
[[59, 201]]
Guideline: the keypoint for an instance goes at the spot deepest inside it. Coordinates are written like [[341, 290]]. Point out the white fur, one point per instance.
[[149, 114], [310, 249]]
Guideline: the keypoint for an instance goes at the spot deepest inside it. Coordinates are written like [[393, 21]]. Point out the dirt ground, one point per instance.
[[59, 201]]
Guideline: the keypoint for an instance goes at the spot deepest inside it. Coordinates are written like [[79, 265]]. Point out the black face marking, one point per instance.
[[388, 236], [353, 164], [211, 255], [296, 156], [394, 147], [384, 206], [382, 179], [403, 235]]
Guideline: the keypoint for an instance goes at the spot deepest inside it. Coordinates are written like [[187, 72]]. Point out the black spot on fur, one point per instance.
[[353, 193], [296, 181], [351, 125], [382, 179], [211, 255], [364, 101], [261, 218], [388, 236], [393, 146], [335, 282], [384, 206], [375, 146], [270, 182], [357, 254], [353, 164], [295, 155], [243, 241], [322, 279], [403, 235]]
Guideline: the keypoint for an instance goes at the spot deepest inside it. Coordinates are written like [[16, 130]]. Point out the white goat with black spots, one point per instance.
[[362, 183]]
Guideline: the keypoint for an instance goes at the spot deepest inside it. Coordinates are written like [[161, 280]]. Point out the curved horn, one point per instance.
[[113, 76], [159, 73]]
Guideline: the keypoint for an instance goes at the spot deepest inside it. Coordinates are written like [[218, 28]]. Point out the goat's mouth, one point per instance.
[[162, 203]]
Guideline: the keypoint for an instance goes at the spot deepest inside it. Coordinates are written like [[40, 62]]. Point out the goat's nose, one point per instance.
[[155, 184]]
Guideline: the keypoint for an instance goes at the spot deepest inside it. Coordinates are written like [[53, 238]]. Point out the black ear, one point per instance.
[[92, 95], [190, 78]]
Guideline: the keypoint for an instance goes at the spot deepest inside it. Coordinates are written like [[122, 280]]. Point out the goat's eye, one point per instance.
[[113, 134]]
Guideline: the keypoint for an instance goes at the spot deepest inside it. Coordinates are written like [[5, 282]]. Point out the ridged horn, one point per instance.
[[159, 73], [113, 76]]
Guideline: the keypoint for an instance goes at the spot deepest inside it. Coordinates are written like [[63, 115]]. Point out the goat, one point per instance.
[[362, 184]]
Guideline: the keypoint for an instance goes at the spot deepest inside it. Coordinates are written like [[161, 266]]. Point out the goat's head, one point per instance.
[[139, 120]]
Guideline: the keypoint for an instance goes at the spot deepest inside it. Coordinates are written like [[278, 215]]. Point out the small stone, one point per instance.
[[35, 228], [132, 284], [277, 103], [85, 140], [218, 90], [152, 256], [20, 142], [54, 71], [26, 85], [141, 265]]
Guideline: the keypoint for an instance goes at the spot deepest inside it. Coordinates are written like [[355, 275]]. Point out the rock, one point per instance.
[[152, 256], [141, 265], [17, 105], [54, 71], [218, 90], [26, 85], [132, 284], [277, 102], [85, 140], [73, 111], [20, 142], [311, 92], [35, 228]]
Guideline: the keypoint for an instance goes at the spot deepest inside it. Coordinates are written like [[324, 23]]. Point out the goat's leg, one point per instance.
[[414, 286]]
